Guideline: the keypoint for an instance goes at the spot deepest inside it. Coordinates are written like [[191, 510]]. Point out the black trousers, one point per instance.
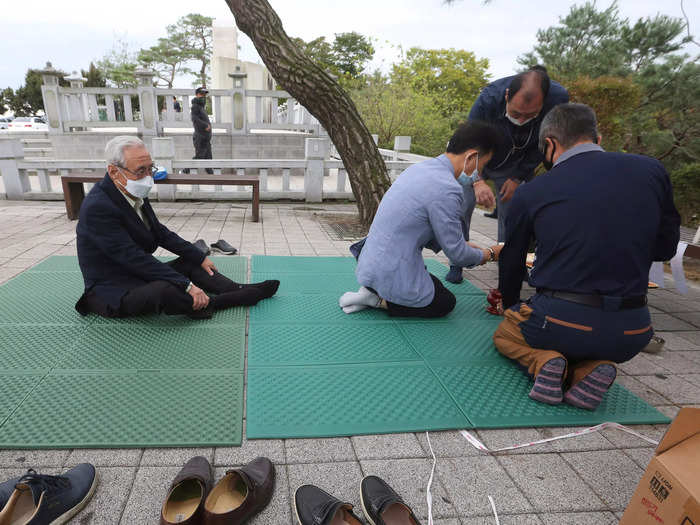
[[442, 304], [202, 149], [165, 297]]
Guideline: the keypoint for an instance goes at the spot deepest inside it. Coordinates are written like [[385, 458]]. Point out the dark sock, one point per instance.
[[246, 296], [547, 387], [267, 288], [589, 392]]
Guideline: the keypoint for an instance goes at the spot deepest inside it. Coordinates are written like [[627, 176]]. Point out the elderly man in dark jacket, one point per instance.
[[202, 127], [117, 234]]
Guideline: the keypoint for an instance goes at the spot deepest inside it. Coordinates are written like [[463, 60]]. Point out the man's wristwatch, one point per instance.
[[492, 255], [189, 287]]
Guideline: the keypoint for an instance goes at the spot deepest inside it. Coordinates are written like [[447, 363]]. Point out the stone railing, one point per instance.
[[148, 110], [314, 178]]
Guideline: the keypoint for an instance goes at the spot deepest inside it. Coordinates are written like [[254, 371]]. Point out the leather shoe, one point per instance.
[[222, 246], [185, 502], [201, 244], [382, 505], [315, 506], [240, 494]]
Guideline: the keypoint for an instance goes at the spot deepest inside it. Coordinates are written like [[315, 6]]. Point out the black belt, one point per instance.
[[595, 301]]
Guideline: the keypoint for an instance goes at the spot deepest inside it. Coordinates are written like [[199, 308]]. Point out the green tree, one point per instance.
[[6, 95], [27, 99], [320, 51], [192, 34], [453, 77], [167, 59], [95, 77], [119, 65], [351, 53]]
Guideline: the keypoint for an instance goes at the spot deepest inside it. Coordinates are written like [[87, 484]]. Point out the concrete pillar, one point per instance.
[[239, 117], [316, 150], [375, 138], [52, 101], [163, 153], [147, 102], [401, 145], [16, 182], [77, 105]]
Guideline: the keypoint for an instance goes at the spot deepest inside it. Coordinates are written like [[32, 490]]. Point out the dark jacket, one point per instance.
[[115, 247], [200, 119], [491, 107], [599, 220]]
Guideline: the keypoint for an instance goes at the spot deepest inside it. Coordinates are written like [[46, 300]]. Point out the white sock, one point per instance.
[[353, 308], [347, 299]]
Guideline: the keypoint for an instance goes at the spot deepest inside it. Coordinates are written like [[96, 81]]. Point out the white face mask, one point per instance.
[[139, 188], [468, 180], [517, 122]]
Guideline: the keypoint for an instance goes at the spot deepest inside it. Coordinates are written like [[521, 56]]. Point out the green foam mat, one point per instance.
[[73, 381], [314, 371], [128, 410]]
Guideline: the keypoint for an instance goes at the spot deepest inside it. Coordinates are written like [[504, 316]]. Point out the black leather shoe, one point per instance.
[[222, 246], [201, 244], [382, 505], [314, 506]]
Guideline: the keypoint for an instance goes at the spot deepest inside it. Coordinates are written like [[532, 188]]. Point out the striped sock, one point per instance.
[[588, 393], [547, 387]]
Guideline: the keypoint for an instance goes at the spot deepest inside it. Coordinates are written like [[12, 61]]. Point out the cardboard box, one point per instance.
[[669, 491]]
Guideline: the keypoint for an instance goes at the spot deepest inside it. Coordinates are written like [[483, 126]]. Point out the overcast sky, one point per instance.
[[71, 33]]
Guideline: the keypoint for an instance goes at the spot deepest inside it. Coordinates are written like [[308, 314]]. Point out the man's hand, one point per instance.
[[208, 128], [199, 298], [484, 195], [508, 189], [497, 250], [208, 266]]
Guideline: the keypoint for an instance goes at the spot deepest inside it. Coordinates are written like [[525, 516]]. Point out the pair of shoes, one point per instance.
[[201, 244], [455, 275], [38, 499], [239, 495], [224, 247], [380, 503], [586, 394]]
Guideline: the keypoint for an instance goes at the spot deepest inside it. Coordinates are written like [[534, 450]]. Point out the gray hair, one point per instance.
[[569, 124], [114, 150]]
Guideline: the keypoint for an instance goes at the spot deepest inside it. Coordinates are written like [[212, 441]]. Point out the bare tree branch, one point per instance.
[[687, 26]]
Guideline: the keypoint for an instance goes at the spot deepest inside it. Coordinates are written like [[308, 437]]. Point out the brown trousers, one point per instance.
[[510, 342]]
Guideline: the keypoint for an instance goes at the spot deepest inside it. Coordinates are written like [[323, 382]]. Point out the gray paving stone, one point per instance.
[[105, 507], [592, 441], [318, 450], [341, 479], [579, 518], [622, 439], [550, 484], [447, 444], [641, 456], [673, 388], [386, 446], [409, 478], [148, 492], [644, 391], [469, 481], [500, 438], [173, 457], [33, 458], [669, 322], [678, 362], [690, 317], [692, 337], [643, 364], [515, 519], [273, 449], [610, 473], [101, 457]]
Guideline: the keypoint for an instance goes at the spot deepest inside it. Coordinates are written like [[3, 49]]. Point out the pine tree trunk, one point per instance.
[[319, 93]]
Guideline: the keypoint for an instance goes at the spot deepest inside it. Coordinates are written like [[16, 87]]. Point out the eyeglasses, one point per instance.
[[141, 172]]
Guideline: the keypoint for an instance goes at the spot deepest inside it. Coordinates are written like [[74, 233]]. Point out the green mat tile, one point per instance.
[[230, 316], [144, 347], [57, 263], [494, 395], [310, 308], [129, 410], [347, 400], [282, 345], [287, 264], [296, 283], [232, 266], [465, 341], [35, 347], [13, 389]]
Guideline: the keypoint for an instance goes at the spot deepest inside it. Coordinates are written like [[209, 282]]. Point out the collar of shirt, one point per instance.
[[580, 148]]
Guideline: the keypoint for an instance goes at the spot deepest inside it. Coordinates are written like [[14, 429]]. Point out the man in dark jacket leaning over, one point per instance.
[[202, 127], [117, 234], [599, 220]]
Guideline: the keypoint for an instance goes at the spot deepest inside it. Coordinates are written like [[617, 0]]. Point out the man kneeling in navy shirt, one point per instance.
[[599, 220], [118, 232]]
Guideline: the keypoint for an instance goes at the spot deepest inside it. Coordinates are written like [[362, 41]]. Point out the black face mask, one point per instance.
[[549, 163]]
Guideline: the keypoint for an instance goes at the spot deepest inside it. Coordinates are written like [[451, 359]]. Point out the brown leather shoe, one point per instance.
[[240, 494], [185, 502]]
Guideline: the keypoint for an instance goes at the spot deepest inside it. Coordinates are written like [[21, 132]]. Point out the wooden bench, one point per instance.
[[74, 192]]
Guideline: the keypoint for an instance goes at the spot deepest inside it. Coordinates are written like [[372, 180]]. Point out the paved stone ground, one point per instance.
[[586, 480]]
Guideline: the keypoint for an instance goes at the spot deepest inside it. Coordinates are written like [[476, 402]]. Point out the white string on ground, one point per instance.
[[428, 494], [610, 424], [493, 507]]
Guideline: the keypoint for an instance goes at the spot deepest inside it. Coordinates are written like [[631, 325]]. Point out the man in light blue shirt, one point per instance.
[[422, 208]]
